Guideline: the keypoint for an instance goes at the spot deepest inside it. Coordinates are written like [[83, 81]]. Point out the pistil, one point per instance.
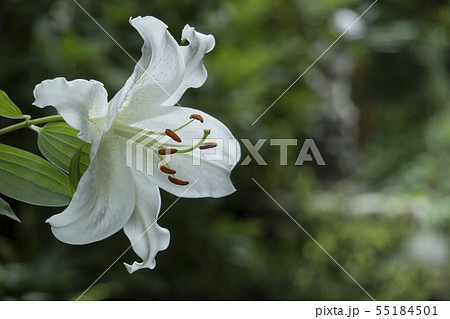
[[190, 149]]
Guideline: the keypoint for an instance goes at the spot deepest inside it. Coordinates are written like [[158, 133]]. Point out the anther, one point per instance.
[[167, 170], [177, 181], [207, 145], [196, 117], [167, 151], [207, 131], [173, 135]]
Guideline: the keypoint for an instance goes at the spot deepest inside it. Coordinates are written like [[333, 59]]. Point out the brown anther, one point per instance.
[[167, 151], [177, 181], [167, 170], [173, 135], [207, 145], [197, 117]]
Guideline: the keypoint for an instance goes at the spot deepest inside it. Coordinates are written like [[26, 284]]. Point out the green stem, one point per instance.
[[28, 123], [35, 128]]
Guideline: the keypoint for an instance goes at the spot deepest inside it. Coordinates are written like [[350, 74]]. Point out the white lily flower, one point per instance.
[[110, 195]]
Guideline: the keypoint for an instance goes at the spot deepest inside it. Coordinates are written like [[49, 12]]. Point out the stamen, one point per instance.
[[167, 151], [196, 117], [207, 145], [173, 135], [184, 125], [167, 170], [177, 181]]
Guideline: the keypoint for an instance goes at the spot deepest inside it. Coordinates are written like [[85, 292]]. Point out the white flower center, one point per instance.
[[161, 147]]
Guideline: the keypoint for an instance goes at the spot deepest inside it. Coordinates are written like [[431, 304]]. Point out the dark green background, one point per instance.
[[377, 107]]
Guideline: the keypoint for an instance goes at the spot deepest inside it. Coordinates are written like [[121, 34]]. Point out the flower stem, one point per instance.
[[29, 123]]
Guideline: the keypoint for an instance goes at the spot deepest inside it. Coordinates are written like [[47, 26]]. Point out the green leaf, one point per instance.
[[75, 170], [58, 142], [5, 210], [8, 108], [31, 179]]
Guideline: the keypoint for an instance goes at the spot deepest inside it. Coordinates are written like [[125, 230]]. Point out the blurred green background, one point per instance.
[[377, 106]]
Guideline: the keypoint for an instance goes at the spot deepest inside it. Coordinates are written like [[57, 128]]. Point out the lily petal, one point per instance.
[[210, 169], [195, 74], [104, 199], [146, 236], [156, 76], [83, 104]]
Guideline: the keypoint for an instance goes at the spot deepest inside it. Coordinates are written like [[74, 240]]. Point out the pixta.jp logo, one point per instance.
[[143, 151]]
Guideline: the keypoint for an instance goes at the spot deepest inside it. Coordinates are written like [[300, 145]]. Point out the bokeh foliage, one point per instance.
[[377, 105]]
